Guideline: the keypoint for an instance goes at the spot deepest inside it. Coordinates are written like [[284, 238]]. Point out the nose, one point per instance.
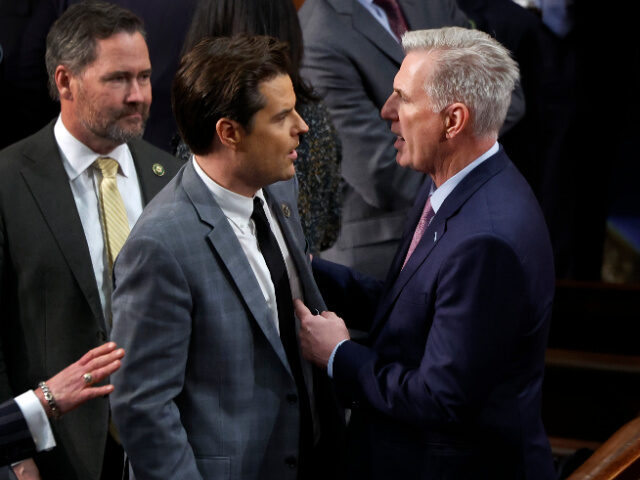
[[301, 125], [389, 110], [136, 92]]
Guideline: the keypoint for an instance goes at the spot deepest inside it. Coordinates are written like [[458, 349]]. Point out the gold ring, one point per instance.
[[87, 378]]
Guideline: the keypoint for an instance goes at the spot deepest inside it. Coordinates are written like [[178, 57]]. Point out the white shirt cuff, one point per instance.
[[37, 420], [333, 355]]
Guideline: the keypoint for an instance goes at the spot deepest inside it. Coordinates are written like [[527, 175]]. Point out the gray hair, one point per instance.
[[72, 40], [471, 67]]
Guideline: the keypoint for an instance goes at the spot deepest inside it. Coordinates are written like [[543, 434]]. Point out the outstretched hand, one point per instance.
[[71, 389], [319, 334]]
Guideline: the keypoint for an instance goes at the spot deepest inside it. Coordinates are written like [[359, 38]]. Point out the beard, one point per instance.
[[112, 125]]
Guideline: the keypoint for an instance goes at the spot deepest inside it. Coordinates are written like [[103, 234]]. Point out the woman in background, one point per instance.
[[319, 153]]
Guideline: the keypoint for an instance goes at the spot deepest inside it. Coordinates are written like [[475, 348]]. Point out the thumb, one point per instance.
[[300, 308]]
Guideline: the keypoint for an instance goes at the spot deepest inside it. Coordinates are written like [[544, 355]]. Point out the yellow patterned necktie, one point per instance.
[[114, 215]]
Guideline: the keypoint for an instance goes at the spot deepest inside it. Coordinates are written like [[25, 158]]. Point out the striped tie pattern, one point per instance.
[[114, 215], [423, 223]]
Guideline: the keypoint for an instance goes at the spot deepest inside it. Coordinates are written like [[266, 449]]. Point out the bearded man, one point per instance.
[[69, 195]]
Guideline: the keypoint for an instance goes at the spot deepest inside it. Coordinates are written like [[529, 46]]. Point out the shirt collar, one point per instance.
[[438, 195], [77, 157], [235, 207]]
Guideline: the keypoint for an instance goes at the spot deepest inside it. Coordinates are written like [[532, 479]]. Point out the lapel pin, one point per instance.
[[158, 169], [435, 236], [286, 211]]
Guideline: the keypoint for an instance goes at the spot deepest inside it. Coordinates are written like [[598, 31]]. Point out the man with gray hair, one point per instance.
[[68, 196], [448, 384]]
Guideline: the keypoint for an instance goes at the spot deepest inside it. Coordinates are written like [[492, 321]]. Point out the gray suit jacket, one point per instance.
[[51, 312], [205, 389], [352, 60]]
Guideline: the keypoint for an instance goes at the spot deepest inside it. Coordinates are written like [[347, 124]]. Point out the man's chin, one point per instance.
[[122, 134], [402, 160], [288, 174]]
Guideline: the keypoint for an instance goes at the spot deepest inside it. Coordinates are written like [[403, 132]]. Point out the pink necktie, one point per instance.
[[423, 223], [395, 16]]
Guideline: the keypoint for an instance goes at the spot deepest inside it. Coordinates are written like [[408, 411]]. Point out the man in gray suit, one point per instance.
[[213, 385], [352, 54]]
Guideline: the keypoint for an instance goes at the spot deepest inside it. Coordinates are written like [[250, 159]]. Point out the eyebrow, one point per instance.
[[400, 92], [281, 113], [126, 73]]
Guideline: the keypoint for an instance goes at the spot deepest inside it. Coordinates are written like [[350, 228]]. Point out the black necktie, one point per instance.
[[286, 320]]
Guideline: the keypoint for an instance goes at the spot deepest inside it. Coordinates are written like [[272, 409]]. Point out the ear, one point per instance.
[[456, 119], [229, 132], [64, 78]]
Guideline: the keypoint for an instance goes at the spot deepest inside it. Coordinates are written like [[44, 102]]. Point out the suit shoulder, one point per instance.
[[312, 9], [319, 19], [284, 191], [13, 156]]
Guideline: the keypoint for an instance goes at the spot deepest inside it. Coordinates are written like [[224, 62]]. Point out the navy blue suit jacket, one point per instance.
[[449, 384]]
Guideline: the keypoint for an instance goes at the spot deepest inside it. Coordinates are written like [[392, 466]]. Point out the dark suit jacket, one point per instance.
[[15, 440], [205, 390], [51, 312], [449, 386]]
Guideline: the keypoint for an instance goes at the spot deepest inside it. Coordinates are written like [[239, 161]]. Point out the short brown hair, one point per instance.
[[72, 38], [220, 77]]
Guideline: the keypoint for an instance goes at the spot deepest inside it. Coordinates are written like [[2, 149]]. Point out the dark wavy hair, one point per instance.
[[220, 77], [275, 18]]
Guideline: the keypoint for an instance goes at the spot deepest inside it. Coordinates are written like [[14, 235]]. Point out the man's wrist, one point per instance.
[[35, 415], [50, 405], [332, 357]]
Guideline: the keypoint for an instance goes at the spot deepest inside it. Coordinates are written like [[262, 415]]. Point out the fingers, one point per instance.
[[100, 373], [95, 392], [104, 359], [330, 316], [96, 352], [300, 308]]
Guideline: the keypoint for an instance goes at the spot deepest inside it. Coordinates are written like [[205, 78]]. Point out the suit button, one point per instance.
[[292, 398], [102, 335], [291, 462]]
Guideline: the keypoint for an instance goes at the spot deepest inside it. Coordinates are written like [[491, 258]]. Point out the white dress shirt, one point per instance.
[[438, 196], [84, 180], [37, 421]]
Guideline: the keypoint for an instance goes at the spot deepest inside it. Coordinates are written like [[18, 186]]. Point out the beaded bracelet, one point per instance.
[[48, 396]]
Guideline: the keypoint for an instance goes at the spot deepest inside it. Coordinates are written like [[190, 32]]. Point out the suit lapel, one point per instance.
[[415, 13], [299, 257], [49, 184], [229, 250], [150, 182], [412, 220], [435, 232], [370, 28]]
